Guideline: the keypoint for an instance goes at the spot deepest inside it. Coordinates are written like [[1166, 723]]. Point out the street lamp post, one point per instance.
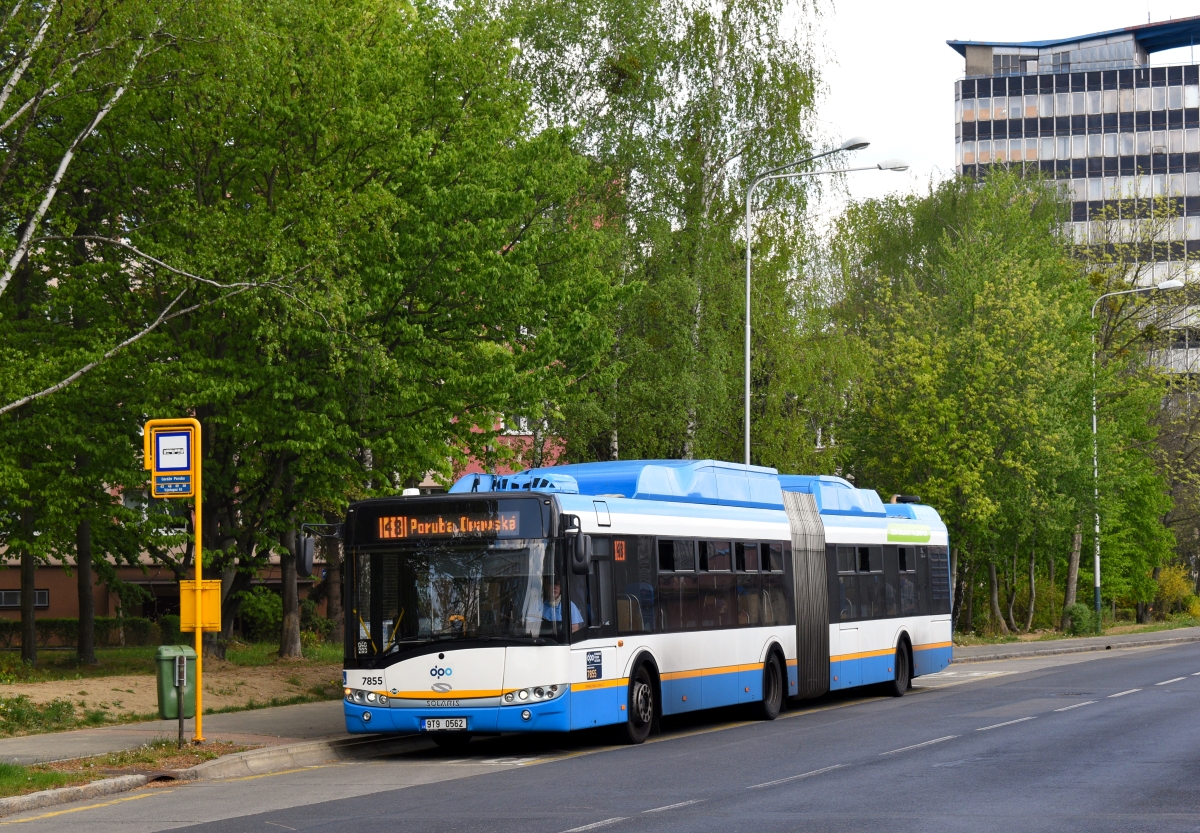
[[857, 143], [1165, 285]]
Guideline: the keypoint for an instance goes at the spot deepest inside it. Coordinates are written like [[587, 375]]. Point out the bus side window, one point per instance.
[[717, 603], [678, 606], [871, 594], [847, 585], [774, 594], [635, 594], [907, 563], [749, 603], [600, 593]]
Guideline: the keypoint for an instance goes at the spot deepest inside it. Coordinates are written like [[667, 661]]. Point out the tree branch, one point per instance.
[[24, 65], [64, 163], [163, 317]]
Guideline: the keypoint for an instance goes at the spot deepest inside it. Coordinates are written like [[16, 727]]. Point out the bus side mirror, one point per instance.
[[581, 553], [305, 548]]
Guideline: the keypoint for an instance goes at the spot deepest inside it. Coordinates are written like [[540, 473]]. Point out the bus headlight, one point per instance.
[[541, 692]]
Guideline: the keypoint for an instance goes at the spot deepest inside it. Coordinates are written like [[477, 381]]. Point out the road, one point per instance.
[[1104, 741]]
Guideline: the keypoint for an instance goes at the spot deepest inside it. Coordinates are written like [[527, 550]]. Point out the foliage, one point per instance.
[[684, 103], [1083, 620], [974, 314], [262, 613], [1175, 588], [168, 627]]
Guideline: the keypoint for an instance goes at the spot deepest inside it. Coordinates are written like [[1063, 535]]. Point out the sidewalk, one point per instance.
[[275, 726], [1011, 650]]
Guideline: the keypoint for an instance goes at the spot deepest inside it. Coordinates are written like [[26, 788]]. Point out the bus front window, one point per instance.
[[433, 591]]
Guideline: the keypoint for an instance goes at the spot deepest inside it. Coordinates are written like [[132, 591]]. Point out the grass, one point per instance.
[[1110, 628], [16, 779], [158, 754], [111, 662]]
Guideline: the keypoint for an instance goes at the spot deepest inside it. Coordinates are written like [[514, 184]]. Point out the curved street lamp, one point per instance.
[[1165, 285], [855, 143]]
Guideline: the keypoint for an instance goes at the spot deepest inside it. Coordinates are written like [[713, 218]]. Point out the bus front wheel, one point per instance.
[[772, 688], [640, 709]]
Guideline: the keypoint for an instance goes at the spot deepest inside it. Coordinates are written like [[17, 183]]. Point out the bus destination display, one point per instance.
[[500, 524]]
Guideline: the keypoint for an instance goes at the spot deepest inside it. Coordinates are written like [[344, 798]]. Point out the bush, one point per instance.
[[262, 614], [1174, 586], [1193, 607], [168, 627], [1083, 620], [310, 643], [313, 622]]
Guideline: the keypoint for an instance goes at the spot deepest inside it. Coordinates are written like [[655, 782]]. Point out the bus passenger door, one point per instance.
[[848, 667], [597, 690]]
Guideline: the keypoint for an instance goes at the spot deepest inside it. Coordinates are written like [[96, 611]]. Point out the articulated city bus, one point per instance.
[[612, 594]]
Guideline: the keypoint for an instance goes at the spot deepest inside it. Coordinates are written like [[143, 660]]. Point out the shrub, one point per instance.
[[1174, 586], [313, 622], [310, 643], [1193, 607], [168, 627], [262, 614], [1083, 620]]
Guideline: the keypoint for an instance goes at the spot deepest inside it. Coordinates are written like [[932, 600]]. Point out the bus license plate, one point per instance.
[[444, 724]]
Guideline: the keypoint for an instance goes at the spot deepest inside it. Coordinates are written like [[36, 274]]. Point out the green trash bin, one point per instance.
[[168, 701]]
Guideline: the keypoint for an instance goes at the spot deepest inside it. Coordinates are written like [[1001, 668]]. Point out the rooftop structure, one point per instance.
[[1126, 48]]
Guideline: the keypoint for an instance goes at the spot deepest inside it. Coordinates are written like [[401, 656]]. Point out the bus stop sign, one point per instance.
[[170, 455]]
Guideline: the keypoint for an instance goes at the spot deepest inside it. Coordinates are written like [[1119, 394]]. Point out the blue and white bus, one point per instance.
[[612, 594]]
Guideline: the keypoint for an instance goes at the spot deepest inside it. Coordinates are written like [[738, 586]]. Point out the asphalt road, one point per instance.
[[1107, 741]]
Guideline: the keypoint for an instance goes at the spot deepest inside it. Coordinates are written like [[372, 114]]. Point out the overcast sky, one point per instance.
[[889, 74]]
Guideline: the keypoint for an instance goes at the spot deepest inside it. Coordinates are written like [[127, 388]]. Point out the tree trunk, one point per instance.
[[86, 645], [289, 637], [1072, 575], [1050, 574], [970, 600], [1143, 613], [28, 624], [333, 589], [1032, 587], [1010, 587], [994, 587]]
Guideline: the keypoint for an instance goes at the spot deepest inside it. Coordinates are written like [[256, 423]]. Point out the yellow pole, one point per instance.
[[199, 738]]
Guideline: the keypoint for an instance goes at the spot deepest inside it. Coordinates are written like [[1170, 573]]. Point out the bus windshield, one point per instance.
[[451, 590]]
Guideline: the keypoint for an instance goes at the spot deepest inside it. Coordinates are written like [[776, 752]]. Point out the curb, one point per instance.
[[64, 795], [254, 762], [1076, 649], [298, 755]]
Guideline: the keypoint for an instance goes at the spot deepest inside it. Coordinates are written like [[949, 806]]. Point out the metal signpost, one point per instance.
[[180, 683], [172, 454]]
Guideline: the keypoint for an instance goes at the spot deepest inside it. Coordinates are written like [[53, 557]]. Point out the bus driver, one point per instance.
[[552, 606]]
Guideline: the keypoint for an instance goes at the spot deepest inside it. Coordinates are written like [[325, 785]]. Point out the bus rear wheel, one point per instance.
[[903, 676], [772, 688], [640, 709]]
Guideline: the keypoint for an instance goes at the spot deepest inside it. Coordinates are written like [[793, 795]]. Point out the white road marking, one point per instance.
[[1075, 706], [595, 825], [675, 806], [1197, 674], [1168, 682], [1008, 723], [1123, 693], [918, 745], [795, 777]]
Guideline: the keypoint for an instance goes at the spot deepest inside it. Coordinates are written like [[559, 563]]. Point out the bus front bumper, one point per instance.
[[551, 716]]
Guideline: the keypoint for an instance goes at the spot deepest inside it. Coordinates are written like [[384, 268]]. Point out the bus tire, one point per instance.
[[903, 676], [453, 741], [641, 711], [772, 688]]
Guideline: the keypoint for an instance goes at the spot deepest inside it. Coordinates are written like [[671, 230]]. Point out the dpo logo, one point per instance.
[[440, 672]]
